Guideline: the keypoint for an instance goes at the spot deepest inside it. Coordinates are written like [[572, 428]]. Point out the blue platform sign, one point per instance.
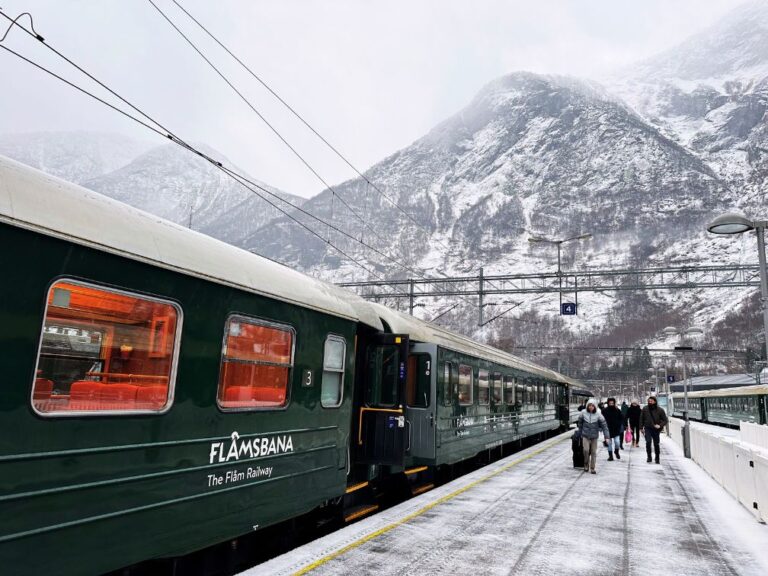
[[670, 378], [568, 309]]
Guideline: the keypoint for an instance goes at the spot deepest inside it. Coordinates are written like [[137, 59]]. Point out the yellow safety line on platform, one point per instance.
[[420, 511]]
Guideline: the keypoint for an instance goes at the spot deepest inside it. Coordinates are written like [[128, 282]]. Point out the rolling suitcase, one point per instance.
[[578, 450]]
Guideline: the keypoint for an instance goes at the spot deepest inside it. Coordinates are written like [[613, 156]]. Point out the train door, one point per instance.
[[382, 427], [420, 400]]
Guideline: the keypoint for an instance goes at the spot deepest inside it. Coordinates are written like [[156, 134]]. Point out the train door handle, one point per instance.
[[431, 419], [410, 431]]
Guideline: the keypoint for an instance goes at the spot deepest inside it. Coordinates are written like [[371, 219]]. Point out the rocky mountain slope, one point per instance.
[[710, 94], [642, 164], [73, 156], [181, 187], [164, 180]]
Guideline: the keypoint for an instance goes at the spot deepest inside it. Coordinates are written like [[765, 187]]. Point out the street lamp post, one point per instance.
[[693, 331], [737, 224], [559, 244]]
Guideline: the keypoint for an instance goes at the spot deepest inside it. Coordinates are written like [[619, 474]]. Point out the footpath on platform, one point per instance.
[[533, 513]]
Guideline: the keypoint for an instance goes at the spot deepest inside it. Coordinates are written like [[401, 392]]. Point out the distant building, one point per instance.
[[716, 381]]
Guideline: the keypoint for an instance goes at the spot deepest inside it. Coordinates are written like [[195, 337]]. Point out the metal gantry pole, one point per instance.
[[560, 274], [687, 424], [760, 229], [480, 297], [410, 297]]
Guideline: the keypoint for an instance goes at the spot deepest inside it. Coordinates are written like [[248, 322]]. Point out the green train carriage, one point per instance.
[[463, 397], [166, 392], [724, 406], [162, 391]]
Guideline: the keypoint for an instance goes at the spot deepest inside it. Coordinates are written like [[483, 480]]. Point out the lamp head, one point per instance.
[[730, 223]]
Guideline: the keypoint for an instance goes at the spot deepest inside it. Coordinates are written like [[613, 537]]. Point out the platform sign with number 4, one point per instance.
[[568, 309]]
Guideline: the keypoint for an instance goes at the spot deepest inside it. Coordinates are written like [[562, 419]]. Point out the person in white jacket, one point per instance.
[[591, 422]]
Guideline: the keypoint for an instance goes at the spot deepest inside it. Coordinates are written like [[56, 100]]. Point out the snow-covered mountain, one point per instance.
[[642, 164], [710, 94], [549, 154], [164, 180], [73, 156], [179, 186]]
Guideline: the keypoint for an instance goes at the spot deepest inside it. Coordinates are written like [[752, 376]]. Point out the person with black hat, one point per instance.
[[614, 419], [652, 422]]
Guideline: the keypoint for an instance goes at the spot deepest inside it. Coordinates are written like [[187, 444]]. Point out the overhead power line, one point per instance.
[[161, 130], [158, 128], [420, 273], [303, 120], [335, 195], [263, 119]]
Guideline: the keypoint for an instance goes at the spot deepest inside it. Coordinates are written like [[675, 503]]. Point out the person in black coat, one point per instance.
[[653, 419], [614, 419], [633, 421]]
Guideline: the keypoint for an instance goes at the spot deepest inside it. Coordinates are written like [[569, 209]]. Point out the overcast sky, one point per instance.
[[372, 76]]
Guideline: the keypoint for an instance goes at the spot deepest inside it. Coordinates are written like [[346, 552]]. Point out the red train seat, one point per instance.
[[151, 397], [43, 389], [85, 395], [118, 396]]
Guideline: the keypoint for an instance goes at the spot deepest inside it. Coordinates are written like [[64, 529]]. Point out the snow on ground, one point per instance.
[[532, 513]]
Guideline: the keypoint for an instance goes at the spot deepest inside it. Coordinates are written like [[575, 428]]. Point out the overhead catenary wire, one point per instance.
[[303, 120], [163, 131], [335, 195], [263, 119], [242, 180], [155, 126]]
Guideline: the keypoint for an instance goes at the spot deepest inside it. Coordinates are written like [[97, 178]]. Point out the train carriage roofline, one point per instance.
[[754, 390], [33, 200], [421, 331]]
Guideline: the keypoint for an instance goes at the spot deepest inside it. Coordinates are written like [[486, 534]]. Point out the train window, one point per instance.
[[509, 390], [519, 392], [256, 363], [529, 395], [383, 373], [483, 393], [105, 350], [496, 392], [465, 385], [418, 384], [332, 385]]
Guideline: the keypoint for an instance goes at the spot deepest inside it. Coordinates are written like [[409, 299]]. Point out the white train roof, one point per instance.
[[753, 390], [37, 201], [425, 332]]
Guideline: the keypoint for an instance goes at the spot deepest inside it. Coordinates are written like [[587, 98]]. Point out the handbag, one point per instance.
[[628, 436]]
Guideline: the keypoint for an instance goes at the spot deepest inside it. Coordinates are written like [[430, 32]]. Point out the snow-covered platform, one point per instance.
[[532, 513]]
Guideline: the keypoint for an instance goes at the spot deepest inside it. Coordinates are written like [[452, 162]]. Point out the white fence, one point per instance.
[[756, 434], [739, 463]]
